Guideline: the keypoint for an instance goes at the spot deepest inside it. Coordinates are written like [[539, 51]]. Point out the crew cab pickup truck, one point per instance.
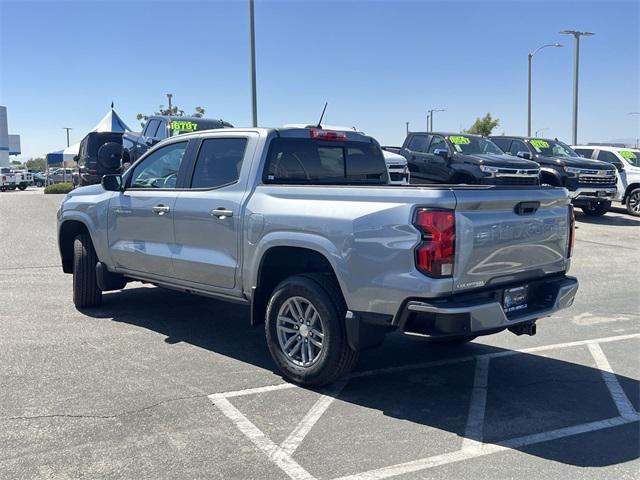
[[7, 179], [159, 127], [458, 158], [591, 183], [301, 225], [627, 162]]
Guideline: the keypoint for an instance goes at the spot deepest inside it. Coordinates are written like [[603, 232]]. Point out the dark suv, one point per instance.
[[464, 158], [591, 183], [90, 170]]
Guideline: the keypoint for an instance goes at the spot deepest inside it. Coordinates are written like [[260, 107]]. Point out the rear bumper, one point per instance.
[[482, 314]]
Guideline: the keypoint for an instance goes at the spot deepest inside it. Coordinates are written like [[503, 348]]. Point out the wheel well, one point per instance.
[[550, 178], [629, 189], [279, 263], [68, 232], [463, 177]]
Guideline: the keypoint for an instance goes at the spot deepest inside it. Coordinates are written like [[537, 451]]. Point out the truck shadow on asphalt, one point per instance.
[[527, 394]]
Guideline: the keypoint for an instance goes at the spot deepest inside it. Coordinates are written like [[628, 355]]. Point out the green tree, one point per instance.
[[484, 126], [16, 163], [175, 111], [36, 164]]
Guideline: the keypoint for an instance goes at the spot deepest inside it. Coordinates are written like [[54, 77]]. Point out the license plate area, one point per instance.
[[514, 299], [601, 193]]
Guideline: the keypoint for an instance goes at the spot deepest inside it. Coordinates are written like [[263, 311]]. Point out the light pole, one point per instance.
[[576, 67], [540, 130], [64, 169], [634, 113], [407, 124], [430, 117], [252, 41], [530, 56], [169, 96]]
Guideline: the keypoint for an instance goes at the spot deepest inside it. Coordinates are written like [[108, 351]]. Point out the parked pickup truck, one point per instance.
[[301, 225], [159, 127], [627, 162], [591, 183], [458, 158], [7, 179]]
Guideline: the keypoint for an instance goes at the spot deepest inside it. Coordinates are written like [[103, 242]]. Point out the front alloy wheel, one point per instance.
[[300, 331], [633, 203]]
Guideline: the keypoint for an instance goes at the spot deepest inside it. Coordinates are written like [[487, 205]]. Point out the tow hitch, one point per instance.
[[524, 329]]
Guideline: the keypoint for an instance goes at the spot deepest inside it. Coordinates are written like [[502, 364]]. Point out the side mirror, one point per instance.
[[442, 152], [109, 157], [525, 155], [76, 158], [112, 183]]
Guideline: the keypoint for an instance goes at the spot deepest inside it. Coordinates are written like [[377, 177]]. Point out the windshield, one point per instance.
[[473, 145], [632, 157], [551, 148]]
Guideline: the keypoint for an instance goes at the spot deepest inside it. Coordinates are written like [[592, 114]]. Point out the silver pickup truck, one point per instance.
[[302, 225]]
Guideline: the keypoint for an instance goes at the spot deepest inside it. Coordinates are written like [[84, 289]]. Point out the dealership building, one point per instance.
[[9, 144]]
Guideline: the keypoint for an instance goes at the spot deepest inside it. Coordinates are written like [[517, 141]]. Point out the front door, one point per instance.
[[438, 166], [140, 222], [208, 215]]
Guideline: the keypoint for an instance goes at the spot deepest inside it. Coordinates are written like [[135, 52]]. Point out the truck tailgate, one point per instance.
[[509, 235]]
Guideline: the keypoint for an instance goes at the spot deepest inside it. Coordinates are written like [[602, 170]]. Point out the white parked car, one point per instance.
[[627, 162]]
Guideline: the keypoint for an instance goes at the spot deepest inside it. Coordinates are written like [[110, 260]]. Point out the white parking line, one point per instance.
[[472, 445], [623, 404], [260, 440], [477, 406], [295, 438]]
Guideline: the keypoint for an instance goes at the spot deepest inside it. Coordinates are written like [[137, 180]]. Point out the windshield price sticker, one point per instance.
[[628, 155], [539, 144], [183, 126], [459, 140]]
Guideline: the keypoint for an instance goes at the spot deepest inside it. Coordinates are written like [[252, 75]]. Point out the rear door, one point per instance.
[[415, 153], [140, 224], [208, 216], [507, 235]]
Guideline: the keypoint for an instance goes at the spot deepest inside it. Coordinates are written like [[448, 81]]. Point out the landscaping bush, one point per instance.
[[59, 188]]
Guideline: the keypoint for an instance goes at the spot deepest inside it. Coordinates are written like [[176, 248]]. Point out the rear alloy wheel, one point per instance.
[[22, 186], [633, 202], [596, 209], [305, 330], [86, 292]]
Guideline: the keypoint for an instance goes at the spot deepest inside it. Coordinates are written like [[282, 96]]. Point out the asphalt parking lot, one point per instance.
[[159, 384]]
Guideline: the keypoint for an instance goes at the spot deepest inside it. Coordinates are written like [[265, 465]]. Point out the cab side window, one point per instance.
[[160, 168], [161, 133], [418, 143], [517, 146], [609, 157], [437, 143], [218, 162], [502, 143], [151, 128], [585, 152]]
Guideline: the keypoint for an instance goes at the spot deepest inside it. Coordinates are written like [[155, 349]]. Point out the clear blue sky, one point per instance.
[[377, 63]]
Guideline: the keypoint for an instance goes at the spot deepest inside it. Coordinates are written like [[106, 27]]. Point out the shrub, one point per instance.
[[59, 188]]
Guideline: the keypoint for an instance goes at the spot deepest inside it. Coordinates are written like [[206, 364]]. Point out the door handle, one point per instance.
[[161, 209], [221, 213]]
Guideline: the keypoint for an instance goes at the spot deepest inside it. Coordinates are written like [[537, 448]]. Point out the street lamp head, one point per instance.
[[576, 33]]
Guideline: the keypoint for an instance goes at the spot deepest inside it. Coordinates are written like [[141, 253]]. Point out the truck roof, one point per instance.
[[447, 134], [288, 132]]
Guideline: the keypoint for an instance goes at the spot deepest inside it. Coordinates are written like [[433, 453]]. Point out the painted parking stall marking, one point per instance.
[[472, 444]]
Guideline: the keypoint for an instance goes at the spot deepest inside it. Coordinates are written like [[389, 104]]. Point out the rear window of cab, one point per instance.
[[308, 161]]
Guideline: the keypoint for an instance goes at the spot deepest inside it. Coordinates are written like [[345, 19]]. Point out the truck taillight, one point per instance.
[[331, 135], [572, 230], [436, 252]]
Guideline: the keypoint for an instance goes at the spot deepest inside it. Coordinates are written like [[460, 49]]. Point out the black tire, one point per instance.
[[633, 202], [13, 187], [336, 358], [596, 209], [22, 186], [85, 287]]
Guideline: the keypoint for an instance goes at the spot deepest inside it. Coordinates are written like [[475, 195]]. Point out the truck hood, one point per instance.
[[391, 158], [577, 162], [88, 190], [505, 161]]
